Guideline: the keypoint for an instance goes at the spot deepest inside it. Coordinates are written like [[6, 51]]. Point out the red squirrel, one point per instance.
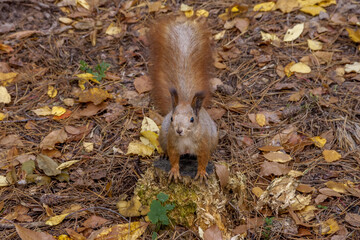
[[180, 69]]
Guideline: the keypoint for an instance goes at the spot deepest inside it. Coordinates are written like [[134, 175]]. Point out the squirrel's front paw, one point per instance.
[[202, 176], [174, 174]]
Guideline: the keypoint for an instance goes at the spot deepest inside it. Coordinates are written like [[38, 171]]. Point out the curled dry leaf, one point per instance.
[[94, 95], [90, 110], [56, 136], [142, 84]]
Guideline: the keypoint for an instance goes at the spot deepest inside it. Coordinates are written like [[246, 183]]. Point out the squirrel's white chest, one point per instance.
[[186, 145]]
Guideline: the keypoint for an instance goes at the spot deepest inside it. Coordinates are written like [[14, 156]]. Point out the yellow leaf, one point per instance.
[[300, 68], [55, 220], [295, 174], [336, 186], [58, 111], [128, 231], [44, 111], [65, 20], [202, 13], [2, 116], [4, 95], [7, 78], [139, 149], [264, 7], [287, 69], [313, 10], [82, 84], [268, 37], [89, 146], [153, 138], [87, 76], [94, 95], [148, 124], [331, 155], [306, 3], [257, 191], [329, 227], [308, 213], [287, 6], [131, 208], [67, 164], [300, 202], [277, 157], [314, 45], [188, 11], [260, 119], [354, 35], [294, 32], [219, 35], [83, 3], [52, 92], [319, 141], [113, 30], [326, 3]]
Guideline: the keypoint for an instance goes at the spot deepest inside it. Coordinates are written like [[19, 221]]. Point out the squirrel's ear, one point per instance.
[[174, 97], [197, 102]]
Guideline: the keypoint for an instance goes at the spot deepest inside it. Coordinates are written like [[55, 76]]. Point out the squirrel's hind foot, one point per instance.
[[174, 174], [202, 176]]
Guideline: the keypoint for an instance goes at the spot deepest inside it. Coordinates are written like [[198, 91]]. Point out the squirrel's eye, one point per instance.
[[191, 119], [171, 119]]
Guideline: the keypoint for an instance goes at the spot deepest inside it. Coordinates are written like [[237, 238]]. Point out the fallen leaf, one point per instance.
[[329, 227], [294, 32], [69, 102], [11, 141], [223, 174], [128, 231], [65, 20], [329, 192], [56, 136], [314, 45], [6, 78], [264, 7], [3, 116], [27, 234], [6, 48], [187, 10], [22, 34], [43, 111], [257, 191], [148, 124], [287, 6], [88, 146], [58, 111], [94, 222], [320, 198], [90, 110], [113, 29], [300, 68], [331, 155], [216, 113], [142, 84], [219, 35], [308, 213], [354, 35], [319, 141], [84, 4], [313, 10], [353, 219], [287, 69], [202, 13], [260, 119], [4, 95], [336, 186], [299, 202], [131, 208], [3, 181], [355, 67], [67, 164], [268, 37], [94, 95], [56, 220], [52, 92], [48, 165], [269, 148], [304, 188], [268, 168], [242, 24], [139, 148], [278, 157], [213, 233]]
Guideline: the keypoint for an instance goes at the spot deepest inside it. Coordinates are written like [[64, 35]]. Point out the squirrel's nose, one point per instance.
[[179, 131]]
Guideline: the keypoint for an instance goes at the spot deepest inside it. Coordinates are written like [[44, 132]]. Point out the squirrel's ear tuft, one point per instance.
[[197, 102], [174, 97]]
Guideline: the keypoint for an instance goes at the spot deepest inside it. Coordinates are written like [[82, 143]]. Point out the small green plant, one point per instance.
[[267, 229], [322, 207], [158, 212], [98, 72]]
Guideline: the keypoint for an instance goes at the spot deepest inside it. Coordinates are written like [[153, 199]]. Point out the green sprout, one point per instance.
[[98, 72]]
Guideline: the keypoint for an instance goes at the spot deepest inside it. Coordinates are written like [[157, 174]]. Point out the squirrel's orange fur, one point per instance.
[[180, 66]]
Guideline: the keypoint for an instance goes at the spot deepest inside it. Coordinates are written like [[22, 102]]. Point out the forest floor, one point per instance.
[[287, 111]]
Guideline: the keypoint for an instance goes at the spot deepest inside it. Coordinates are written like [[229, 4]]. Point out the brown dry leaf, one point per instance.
[[74, 235], [48, 165], [268, 168], [235, 106], [304, 188], [242, 24], [11, 141], [94, 221], [6, 48], [213, 233], [336, 186], [216, 113], [323, 57], [90, 110], [269, 148], [320, 198], [287, 6], [154, 6], [329, 192], [308, 213], [27, 234], [223, 173], [56, 136], [337, 18], [353, 219], [114, 110], [244, 140], [142, 84], [94, 95], [278, 157], [331, 155], [22, 34]]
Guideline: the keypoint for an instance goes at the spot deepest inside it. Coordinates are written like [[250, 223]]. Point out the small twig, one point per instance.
[[25, 120]]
